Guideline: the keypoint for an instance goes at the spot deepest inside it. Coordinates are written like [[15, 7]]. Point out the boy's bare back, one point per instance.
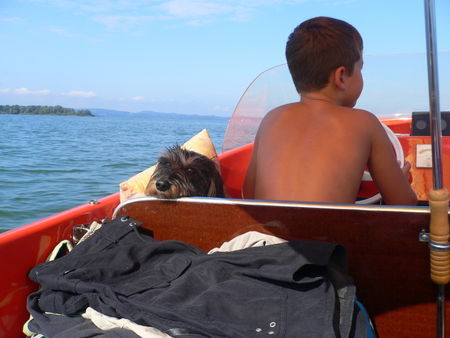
[[317, 151]]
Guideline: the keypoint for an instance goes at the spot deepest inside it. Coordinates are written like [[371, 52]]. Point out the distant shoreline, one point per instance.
[[98, 112], [30, 114], [43, 110], [94, 112]]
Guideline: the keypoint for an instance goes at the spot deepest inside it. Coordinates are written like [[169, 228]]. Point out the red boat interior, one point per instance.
[[387, 260]]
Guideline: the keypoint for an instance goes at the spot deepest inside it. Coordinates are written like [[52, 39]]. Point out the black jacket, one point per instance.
[[295, 289]]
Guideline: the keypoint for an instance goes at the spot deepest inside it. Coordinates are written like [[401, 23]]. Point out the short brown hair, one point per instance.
[[318, 46]]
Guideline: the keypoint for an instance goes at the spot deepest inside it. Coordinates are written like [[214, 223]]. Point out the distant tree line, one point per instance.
[[43, 110]]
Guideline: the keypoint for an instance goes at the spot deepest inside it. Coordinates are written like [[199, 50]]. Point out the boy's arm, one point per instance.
[[390, 179]]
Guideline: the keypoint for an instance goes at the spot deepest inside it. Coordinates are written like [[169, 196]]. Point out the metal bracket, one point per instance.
[[435, 246], [424, 236]]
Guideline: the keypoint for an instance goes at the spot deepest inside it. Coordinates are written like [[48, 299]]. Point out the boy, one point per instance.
[[316, 149]]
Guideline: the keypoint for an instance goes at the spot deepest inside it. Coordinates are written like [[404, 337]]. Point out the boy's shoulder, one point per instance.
[[363, 113], [366, 116], [292, 110], [360, 121], [355, 114], [282, 112], [295, 116]]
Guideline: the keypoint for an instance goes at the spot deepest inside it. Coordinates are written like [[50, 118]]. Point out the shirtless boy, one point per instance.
[[317, 149]]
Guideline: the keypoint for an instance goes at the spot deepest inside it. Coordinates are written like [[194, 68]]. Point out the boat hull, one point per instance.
[[29, 245], [389, 264]]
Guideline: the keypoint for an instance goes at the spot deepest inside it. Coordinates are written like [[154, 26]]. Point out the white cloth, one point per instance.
[[248, 240], [105, 322], [93, 227]]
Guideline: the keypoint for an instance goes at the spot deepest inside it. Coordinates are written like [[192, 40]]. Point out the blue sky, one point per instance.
[[193, 57]]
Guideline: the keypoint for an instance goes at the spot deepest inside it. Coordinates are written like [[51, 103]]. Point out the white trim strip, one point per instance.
[[305, 205]]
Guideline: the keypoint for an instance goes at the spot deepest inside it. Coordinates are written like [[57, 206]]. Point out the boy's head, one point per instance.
[[317, 47]]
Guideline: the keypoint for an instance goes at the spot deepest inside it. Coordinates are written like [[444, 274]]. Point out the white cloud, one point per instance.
[[99, 6], [193, 9], [4, 90], [26, 91], [197, 12], [125, 14], [11, 20], [137, 98], [222, 109], [114, 22], [63, 32], [204, 11], [80, 93], [128, 14], [22, 91]]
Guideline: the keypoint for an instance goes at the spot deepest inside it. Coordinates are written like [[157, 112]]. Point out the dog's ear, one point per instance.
[[216, 186], [212, 188]]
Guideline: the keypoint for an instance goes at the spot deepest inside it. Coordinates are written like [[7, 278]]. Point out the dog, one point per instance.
[[183, 173]]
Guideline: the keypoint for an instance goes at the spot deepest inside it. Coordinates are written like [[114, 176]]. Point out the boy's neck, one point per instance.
[[311, 97], [307, 97], [329, 94]]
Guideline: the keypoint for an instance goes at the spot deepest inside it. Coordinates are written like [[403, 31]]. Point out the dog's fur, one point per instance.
[[183, 173]]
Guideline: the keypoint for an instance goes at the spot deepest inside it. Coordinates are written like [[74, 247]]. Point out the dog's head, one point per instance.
[[183, 173]]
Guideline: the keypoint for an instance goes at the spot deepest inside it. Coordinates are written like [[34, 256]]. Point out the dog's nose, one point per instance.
[[162, 185]]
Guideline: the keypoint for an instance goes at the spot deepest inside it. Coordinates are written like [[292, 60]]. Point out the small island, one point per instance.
[[43, 110]]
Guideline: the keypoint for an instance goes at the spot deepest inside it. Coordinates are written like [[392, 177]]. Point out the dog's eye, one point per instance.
[[190, 171]]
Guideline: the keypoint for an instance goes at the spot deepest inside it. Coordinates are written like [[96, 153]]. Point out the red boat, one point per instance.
[[387, 245]]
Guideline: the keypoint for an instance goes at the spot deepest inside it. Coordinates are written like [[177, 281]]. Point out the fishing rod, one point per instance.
[[439, 227]]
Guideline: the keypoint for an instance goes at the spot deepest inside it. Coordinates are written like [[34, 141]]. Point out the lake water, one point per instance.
[[52, 163]]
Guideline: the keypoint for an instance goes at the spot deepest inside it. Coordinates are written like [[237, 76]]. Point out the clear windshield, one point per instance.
[[394, 85]]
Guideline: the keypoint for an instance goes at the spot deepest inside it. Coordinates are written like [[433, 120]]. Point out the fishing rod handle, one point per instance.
[[439, 237]]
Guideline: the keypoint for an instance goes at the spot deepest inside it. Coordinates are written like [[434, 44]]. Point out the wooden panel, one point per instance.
[[390, 266]]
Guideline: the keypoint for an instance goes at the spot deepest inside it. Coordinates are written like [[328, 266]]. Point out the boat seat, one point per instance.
[[388, 262], [233, 167]]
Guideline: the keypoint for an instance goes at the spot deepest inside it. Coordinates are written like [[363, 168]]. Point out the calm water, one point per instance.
[[52, 163]]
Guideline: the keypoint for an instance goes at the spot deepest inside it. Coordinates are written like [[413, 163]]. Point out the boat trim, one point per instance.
[[308, 205]]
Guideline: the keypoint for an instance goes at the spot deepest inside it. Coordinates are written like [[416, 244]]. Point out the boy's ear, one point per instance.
[[338, 77]]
